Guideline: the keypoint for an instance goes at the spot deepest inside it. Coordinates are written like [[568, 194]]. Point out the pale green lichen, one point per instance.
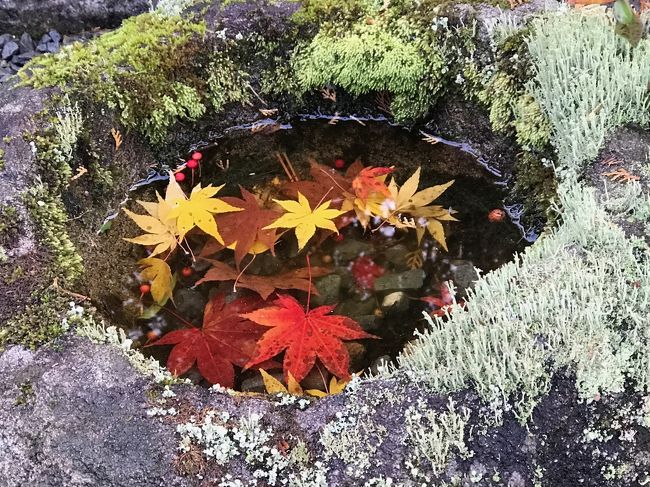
[[551, 308], [435, 436], [588, 81]]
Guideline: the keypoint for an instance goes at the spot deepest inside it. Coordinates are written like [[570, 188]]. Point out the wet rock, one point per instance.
[[256, 383], [26, 43], [356, 306], [357, 352], [350, 249], [313, 380], [9, 49], [395, 302], [53, 46], [369, 323], [328, 290], [379, 363], [396, 255], [412, 279], [189, 303], [4, 38], [463, 273]]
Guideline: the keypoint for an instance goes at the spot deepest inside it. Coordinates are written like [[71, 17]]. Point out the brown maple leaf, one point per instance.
[[264, 285], [244, 230]]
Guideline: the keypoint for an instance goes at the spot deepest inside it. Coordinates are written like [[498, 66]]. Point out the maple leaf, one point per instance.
[[159, 274], [263, 285], [198, 211], [305, 336], [408, 200], [225, 340], [305, 220], [161, 229], [371, 180], [244, 231], [335, 387], [274, 386]]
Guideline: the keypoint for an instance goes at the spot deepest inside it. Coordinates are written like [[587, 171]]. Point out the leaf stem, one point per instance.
[[309, 289]]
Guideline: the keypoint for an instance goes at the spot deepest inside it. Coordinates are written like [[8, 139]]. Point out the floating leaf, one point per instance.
[[304, 220], [199, 211], [305, 336], [158, 273], [226, 339]]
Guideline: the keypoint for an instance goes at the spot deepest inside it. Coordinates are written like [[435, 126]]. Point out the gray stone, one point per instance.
[[53, 46], [9, 49], [4, 38], [350, 249], [54, 35], [379, 363], [395, 302], [328, 289], [357, 352], [66, 16], [26, 43], [189, 303], [256, 382], [413, 279]]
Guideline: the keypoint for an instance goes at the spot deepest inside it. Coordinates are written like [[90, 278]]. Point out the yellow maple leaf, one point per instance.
[[158, 273], [274, 386], [198, 211], [304, 220], [162, 231], [408, 200], [335, 387]]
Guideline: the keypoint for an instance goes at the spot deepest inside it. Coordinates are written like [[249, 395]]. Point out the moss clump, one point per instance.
[[41, 322], [26, 394], [143, 70], [2, 159], [51, 220], [317, 12], [365, 60], [10, 225]]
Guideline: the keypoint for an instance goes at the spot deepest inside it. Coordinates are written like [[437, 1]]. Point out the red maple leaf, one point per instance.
[[263, 285], [371, 180], [226, 339], [445, 303], [305, 336], [246, 228]]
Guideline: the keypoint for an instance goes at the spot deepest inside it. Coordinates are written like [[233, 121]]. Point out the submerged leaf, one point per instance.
[[264, 285]]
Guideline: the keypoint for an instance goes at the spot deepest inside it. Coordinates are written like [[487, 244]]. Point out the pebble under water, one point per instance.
[[382, 278]]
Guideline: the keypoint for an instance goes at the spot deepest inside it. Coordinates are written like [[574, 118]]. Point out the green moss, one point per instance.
[[2, 159], [318, 12], [143, 70], [365, 60], [51, 220], [10, 225], [40, 323]]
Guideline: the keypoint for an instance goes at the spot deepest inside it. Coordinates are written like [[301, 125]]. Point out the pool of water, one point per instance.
[[380, 277]]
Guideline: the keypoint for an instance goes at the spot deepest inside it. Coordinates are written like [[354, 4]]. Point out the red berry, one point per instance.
[[339, 237], [192, 163], [197, 156], [187, 271], [145, 289], [179, 176], [339, 164], [497, 215]]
